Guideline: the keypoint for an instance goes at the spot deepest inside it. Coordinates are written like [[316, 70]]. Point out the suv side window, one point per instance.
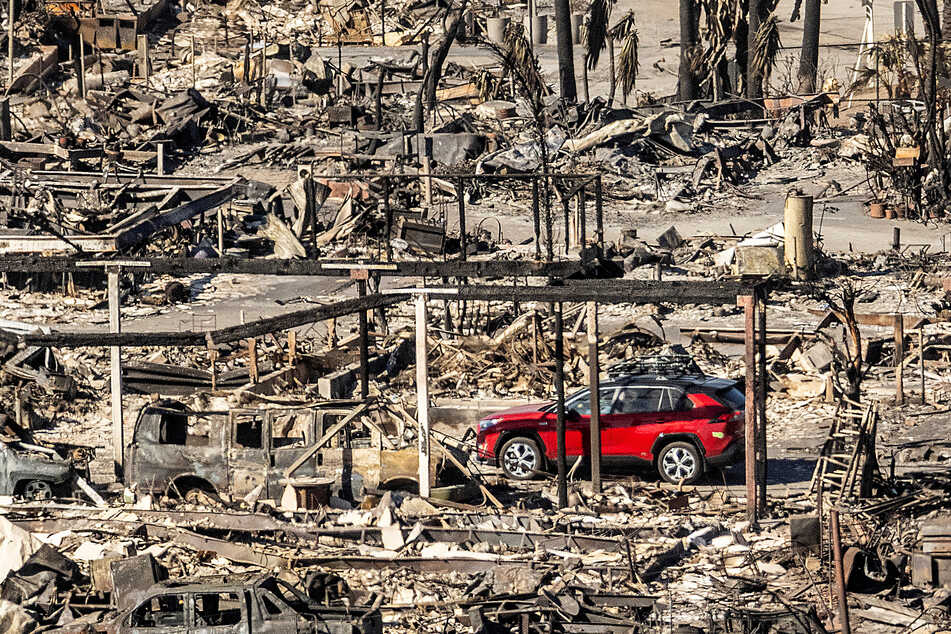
[[582, 402], [674, 400], [160, 612], [217, 609], [637, 400]]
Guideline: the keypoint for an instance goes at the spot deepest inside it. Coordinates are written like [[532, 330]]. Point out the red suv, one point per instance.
[[679, 426]]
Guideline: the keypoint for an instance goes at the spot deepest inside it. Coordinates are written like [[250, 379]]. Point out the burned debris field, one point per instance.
[[592, 316]]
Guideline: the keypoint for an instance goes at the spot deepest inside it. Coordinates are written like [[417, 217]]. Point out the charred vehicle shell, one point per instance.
[[238, 604]]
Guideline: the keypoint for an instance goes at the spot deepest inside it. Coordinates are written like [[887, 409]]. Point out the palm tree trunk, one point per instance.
[[566, 59], [611, 69], [809, 57], [754, 80], [689, 18], [584, 77]]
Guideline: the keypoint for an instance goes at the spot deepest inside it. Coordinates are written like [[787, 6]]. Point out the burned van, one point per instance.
[[176, 451]]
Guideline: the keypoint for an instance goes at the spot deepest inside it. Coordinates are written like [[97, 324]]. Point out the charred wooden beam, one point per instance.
[[222, 335], [614, 291], [191, 266]]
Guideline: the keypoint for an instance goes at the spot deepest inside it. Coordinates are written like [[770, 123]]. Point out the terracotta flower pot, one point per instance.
[[900, 212], [889, 213], [876, 210]]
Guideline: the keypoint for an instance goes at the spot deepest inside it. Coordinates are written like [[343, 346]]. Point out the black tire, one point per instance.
[[520, 458], [680, 462]]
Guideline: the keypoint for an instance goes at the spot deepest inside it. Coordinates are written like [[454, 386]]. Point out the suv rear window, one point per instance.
[[732, 397]]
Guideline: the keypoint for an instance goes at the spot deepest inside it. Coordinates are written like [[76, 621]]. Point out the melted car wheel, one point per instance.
[[37, 490], [520, 458], [680, 462]]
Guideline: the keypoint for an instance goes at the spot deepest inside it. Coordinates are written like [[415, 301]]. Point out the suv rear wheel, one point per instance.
[[680, 462], [520, 458]]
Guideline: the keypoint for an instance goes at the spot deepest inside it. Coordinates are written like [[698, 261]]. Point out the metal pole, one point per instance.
[[899, 356], [388, 212], [844, 625], [560, 400], [221, 233], [594, 385], [566, 212], [422, 395], [364, 346], [115, 367], [582, 233], [749, 306], [761, 457], [81, 83]]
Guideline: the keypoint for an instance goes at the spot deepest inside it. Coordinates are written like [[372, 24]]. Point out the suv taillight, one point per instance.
[[736, 416]]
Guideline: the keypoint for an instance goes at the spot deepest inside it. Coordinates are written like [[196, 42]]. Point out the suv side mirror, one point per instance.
[[572, 415]]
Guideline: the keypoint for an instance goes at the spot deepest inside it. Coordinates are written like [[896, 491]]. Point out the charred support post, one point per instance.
[[921, 361], [599, 213], [253, 359], [594, 386], [841, 597], [142, 50], [748, 303], [463, 239], [560, 404], [896, 238], [388, 215], [536, 219], [761, 451], [6, 127], [10, 22], [115, 368], [422, 394], [364, 344], [899, 357]]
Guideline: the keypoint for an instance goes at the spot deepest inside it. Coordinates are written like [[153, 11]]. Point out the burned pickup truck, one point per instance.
[[177, 451], [236, 604], [35, 470]]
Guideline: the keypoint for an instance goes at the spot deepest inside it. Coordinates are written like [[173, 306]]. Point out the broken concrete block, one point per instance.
[[758, 260]]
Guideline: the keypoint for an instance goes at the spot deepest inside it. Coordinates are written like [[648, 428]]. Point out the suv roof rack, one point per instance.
[[667, 365]]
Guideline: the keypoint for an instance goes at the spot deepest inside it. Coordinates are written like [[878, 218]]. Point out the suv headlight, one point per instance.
[[485, 423]]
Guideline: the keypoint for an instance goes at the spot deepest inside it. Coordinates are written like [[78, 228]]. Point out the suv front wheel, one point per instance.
[[520, 458], [680, 462]]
